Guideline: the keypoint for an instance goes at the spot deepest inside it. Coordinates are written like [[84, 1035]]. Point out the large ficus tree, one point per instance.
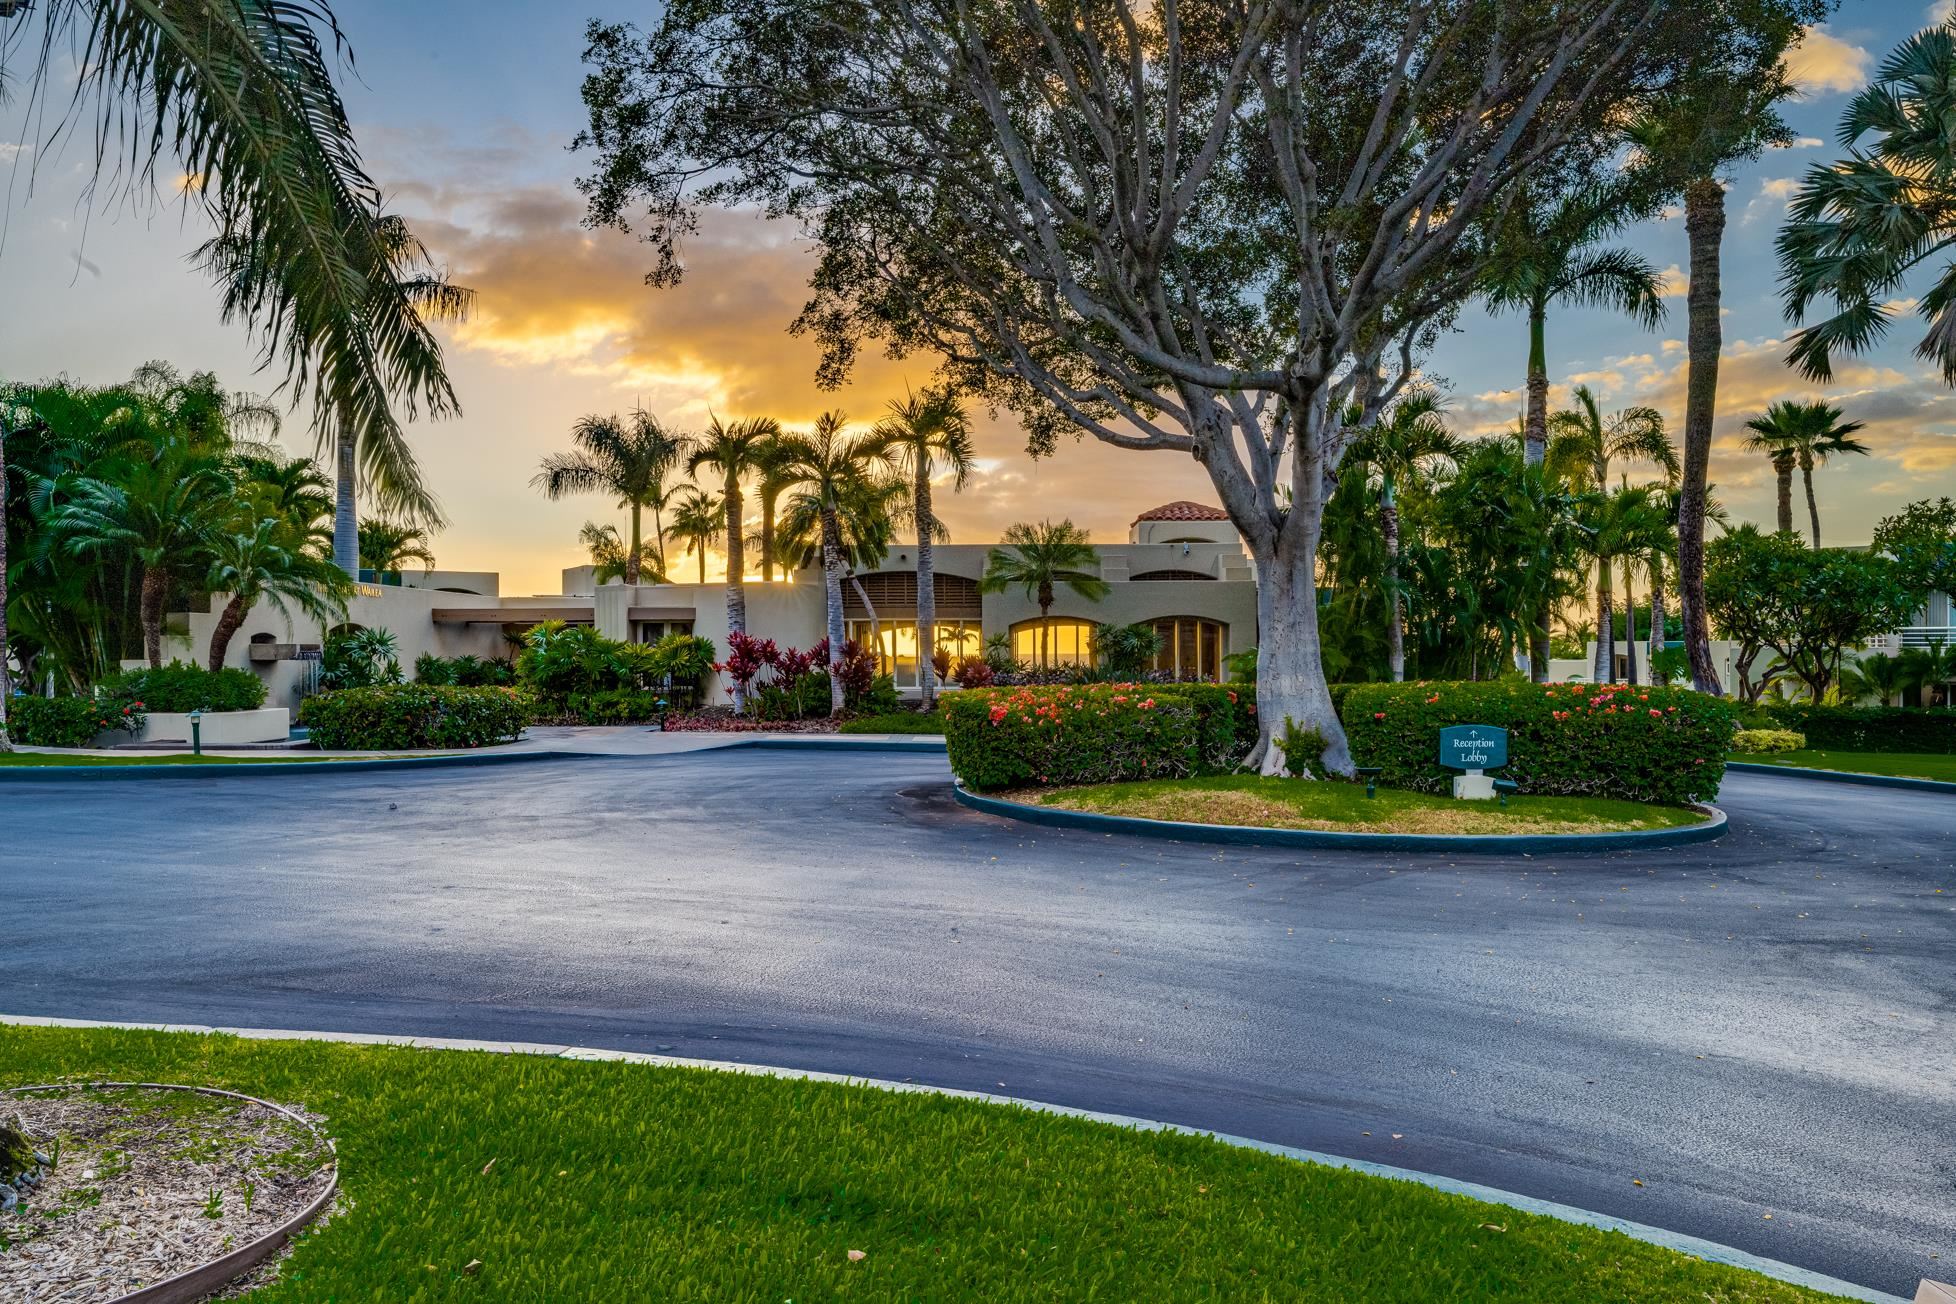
[[1200, 226]]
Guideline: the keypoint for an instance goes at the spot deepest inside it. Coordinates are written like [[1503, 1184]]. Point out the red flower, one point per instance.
[[998, 713], [1431, 700], [1378, 715], [1659, 714], [125, 710]]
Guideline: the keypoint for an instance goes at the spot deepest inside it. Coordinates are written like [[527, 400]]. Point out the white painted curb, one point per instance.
[[1710, 1251]]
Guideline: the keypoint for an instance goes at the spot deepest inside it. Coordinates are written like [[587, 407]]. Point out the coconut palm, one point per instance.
[[387, 546], [1409, 444], [733, 451], [266, 560], [1803, 435], [628, 459], [1038, 560], [924, 435], [772, 461], [1548, 255], [697, 520], [1876, 675], [1619, 526]]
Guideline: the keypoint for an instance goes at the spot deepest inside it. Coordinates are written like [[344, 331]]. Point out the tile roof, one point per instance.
[[1183, 510]]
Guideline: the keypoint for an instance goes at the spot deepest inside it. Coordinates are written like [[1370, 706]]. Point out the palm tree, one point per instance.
[[1618, 526], [627, 459], [1930, 668], [265, 559], [387, 546], [1400, 449], [696, 521], [1037, 559], [167, 509], [733, 451], [1876, 675], [295, 491], [772, 461], [1803, 435], [1546, 256], [608, 558], [922, 435]]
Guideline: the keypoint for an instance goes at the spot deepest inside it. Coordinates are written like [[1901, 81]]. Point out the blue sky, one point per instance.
[[465, 109]]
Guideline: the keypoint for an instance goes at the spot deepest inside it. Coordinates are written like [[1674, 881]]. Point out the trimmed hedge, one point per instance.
[[68, 721], [895, 722], [1757, 742], [179, 688], [397, 716], [1638, 744], [1871, 728], [1094, 733]]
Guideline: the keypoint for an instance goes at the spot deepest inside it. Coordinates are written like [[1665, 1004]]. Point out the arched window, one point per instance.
[[1171, 575], [1191, 647], [1055, 641]]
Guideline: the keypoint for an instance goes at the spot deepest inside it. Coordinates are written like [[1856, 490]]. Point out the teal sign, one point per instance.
[[1473, 747]]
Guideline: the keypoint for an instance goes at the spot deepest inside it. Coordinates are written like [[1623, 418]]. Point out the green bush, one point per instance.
[[462, 672], [903, 722], [1303, 750], [1093, 733], [396, 716], [360, 658], [1870, 728], [618, 706], [1754, 741], [68, 721], [1639, 744], [559, 660], [179, 688]]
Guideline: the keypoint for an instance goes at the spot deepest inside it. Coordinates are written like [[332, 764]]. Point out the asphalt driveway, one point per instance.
[[1763, 1024]]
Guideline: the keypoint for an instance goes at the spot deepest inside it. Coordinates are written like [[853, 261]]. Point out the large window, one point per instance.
[[895, 644], [1058, 641], [1191, 647]]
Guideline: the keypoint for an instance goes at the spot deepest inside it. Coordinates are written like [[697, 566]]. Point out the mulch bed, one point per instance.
[[145, 1185]]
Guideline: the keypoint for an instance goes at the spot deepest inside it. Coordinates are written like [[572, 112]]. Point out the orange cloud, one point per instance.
[[1824, 62]]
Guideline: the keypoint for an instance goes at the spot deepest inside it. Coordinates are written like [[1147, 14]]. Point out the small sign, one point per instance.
[[1473, 747]]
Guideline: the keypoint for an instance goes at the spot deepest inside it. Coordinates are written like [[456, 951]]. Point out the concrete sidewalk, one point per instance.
[[579, 740]]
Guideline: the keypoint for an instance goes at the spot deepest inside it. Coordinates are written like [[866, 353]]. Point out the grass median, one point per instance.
[[1903, 765], [1249, 801], [563, 1180]]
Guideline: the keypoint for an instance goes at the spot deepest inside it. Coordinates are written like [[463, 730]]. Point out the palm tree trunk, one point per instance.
[[926, 589], [1704, 226], [1535, 419], [346, 522], [702, 544], [227, 625], [1605, 668], [736, 585], [832, 577], [1783, 469], [631, 558], [6, 679], [1657, 639], [1813, 507], [156, 590], [1395, 622], [767, 537], [1630, 626], [1045, 625], [659, 537]]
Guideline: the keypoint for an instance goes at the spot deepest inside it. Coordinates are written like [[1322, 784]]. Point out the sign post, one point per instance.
[[1473, 749]]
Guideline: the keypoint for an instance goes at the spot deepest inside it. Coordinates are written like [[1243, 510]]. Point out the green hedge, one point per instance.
[[1094, 733], [619, 706], [179, 688], [903, 722], [1871, 728], [1639, 744], [396, 716], [67, 721]]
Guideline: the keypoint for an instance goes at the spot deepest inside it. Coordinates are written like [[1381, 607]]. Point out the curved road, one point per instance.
[[1766, 1023]]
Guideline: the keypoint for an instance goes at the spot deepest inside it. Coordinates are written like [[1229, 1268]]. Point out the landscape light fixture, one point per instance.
[[196, 719]]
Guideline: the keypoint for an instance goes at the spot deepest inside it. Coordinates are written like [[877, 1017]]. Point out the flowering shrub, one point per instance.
[[1093, 733], [1640, 744], [69, 721], [391, 716]]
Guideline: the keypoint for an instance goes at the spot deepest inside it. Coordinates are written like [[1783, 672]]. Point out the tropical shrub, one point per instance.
[[897, 722], [1125, 650], [69, 721], [394, 716], [180, 688], [1093, 733], [618, 706], [1640, 744], [1870, 728], [463, 672], [1303, 750], [560, 660], [361, 658], [1757, 741], [974, 672]]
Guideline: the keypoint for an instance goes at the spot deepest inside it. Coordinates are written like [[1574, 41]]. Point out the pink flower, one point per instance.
[[1659, 714], [998, 713], [1378, 715]]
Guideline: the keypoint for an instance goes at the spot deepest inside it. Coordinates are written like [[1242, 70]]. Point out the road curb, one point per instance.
[[1844, 776], [1239, 835], [258, 769], [923, 743], [1710, 1251]]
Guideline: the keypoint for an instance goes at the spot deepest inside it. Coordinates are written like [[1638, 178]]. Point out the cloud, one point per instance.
[[1673, 283], [1811, 142], [12, 150], [1823, 62]]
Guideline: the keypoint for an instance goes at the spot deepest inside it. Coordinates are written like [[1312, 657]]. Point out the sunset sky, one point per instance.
[[465, 109]]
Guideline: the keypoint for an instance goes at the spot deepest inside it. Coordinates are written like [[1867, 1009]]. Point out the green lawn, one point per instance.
[[1913, 765], [73, 758], [903, 722], [575, 1181], [1243, 799]]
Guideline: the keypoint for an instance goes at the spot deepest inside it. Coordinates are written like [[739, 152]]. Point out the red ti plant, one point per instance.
[[747, 656], [791, 670]]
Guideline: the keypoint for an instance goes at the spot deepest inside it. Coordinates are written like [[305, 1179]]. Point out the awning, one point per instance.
[[660, 613]]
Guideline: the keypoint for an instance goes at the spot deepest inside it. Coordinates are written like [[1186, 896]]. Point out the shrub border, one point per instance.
[[1844, 776], [1248, 835]]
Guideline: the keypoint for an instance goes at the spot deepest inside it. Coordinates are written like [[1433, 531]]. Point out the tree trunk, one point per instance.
[[926, 589], [1604, 670], [1704, 225], [1813, 507], [1395, 624], [1290, 668], [1045, 624], [736, 583], [631, 558], [6, 678], [346, 522], [702, 543], [832, 578], [875, 622], [659, 535], [1630, 628], [156, 590], [1783, 470], [1534, 424], [767, 537], [1657, 639], [227, 625]]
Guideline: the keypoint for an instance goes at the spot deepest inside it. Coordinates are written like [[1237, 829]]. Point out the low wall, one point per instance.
[[220, 728]]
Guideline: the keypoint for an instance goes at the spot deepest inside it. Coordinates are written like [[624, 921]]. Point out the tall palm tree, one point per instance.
[[1037, 560], [1803, 435], [732, 450], [834, 477], [608, 559], [1618, 526], [772, 463], [697, 520], [387, 546], [1548, 255], [294, 490], [628, 459], [1404, 447], [266, 560], [924, 435]]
